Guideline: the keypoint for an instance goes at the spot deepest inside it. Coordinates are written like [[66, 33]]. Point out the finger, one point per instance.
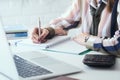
[[44, 34], [35, 41], [35, 38], [43, 41], [35, 31]]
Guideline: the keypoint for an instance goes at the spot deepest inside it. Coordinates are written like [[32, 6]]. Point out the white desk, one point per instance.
[[88, 73]]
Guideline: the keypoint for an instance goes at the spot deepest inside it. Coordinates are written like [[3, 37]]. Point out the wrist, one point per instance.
[[90, 42], [56, 31], [51, 33]]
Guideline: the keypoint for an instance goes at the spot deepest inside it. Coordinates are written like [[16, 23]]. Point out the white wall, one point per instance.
[[26, 12]]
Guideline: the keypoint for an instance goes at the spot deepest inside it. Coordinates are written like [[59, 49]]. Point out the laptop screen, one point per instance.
[[7, 65]]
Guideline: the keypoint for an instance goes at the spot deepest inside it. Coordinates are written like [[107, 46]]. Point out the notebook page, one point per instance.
[[70, 47], [50, 43]]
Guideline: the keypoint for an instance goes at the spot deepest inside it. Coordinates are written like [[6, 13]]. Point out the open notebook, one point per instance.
[[50, 43], [63, 44]]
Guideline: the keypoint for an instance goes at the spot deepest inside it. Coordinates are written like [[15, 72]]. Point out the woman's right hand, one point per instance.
[[36, 38]]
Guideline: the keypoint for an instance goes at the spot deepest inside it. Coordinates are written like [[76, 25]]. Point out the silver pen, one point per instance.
[[39, 27]]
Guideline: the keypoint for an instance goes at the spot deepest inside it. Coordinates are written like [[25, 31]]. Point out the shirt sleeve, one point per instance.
[[109, 45], [69, 17]]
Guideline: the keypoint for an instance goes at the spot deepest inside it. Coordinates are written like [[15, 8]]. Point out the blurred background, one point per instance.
[[26, 12]]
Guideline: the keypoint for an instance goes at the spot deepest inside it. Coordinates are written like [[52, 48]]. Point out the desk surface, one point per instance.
[[88, 73]]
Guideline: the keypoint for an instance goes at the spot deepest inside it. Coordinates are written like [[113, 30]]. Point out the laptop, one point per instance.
[[32, 66]]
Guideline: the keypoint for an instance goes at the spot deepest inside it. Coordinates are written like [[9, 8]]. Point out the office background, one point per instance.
[[26, 12]]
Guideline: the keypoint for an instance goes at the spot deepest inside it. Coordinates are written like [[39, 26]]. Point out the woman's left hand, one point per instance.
[[81, 38]]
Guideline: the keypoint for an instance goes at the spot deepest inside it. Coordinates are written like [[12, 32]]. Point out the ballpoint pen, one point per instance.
[[39, 27]]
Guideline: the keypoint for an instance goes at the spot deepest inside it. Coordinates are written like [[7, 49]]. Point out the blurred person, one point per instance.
[[100, 23]]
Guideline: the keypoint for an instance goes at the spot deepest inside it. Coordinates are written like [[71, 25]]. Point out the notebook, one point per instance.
[[16, 31], [62, 44], [30, 65]]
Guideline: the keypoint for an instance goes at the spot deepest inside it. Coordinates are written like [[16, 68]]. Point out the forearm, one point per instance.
[[109, 45], [55, 31], [68, 18]]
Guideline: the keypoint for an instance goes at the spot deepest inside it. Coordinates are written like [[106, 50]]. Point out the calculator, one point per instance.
[[98, 60]]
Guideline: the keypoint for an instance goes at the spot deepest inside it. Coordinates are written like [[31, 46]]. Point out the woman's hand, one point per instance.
[[36, 38], [81, 38]]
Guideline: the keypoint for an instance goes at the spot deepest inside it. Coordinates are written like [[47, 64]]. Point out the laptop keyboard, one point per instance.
[[27, 69]]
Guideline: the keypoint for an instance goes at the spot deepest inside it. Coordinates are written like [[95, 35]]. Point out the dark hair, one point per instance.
[[110, 4]]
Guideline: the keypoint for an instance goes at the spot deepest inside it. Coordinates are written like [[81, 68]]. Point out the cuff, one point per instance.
[[51, 33], [90, 42]]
